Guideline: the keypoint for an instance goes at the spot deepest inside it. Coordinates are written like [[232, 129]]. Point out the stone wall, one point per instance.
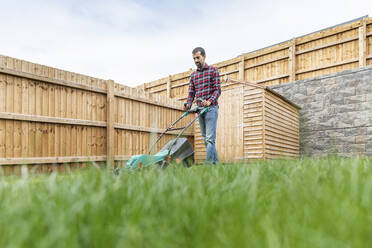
[[336, 112]]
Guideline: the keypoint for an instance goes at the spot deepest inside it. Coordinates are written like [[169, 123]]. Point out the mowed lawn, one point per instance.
[[283, 203]]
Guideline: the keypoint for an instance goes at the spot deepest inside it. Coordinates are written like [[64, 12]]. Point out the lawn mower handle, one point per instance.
[[196, 109], [199, 110]]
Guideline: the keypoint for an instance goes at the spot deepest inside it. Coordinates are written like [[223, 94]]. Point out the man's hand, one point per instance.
[[186, 107], [206, 103]]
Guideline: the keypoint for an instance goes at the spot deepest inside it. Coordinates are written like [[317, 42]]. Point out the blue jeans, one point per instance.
[[208, 125]]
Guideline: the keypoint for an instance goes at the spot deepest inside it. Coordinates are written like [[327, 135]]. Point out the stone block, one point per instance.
[[287, 93], [314, 105], [338, 148], [321, 142], [361, 119], [350, 79], [320, 149], [322, 97], [334, 132], [315, 89], [361, 131], [319, 113], [342, 140], [328, 82], [361, 139], [347, 148], [336, 100], [347, 91], [364, 87], [301, 89], [354, 131], [308, 99], [364, 106], [368, 147], [368, 142], [342, 89], [358, 148], [330, 110], [347, 155], [368, 115], [344, 120], [368, 153], [346, 108], [355, 99], [296, 96], [327, 123], [369, 98], [309, 126]]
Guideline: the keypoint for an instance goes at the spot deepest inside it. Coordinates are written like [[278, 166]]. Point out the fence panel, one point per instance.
[[335, 49], [51, 117]]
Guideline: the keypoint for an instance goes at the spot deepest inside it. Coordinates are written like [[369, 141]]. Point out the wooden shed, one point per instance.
[[254, 122]]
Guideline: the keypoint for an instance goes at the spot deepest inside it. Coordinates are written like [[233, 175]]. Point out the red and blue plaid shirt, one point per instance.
[[204, 84]]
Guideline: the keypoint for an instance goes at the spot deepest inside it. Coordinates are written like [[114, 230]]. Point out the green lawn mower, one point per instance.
[[178, 149]]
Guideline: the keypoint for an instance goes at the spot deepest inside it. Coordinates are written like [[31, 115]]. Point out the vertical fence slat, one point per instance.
[[169, 86], [363, 44], [110, 131], [292, 61], [241, 69]]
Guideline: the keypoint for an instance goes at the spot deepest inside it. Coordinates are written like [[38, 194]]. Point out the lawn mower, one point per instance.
[[178, 149]]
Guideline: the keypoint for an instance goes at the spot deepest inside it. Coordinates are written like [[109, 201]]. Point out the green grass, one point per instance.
[[300, 203]]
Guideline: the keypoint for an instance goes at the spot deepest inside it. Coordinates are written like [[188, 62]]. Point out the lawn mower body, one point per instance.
[[178, 149]]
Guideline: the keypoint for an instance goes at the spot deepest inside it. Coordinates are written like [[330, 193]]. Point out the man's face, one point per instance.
[[198, 60]]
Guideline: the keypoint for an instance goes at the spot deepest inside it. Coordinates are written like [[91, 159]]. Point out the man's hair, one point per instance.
[[199, 49]]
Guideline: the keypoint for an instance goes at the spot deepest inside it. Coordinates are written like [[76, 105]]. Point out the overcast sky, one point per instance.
[[133, 42]]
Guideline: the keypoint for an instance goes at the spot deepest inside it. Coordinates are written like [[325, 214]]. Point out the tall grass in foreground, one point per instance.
[[300, 203]]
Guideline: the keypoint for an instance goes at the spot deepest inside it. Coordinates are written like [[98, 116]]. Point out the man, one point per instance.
[[205, 85]]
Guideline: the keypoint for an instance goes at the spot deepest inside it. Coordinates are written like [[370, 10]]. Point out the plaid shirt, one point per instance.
[[204, 84]]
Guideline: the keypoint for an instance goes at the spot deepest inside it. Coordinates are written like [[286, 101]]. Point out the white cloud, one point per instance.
[[135, 42]]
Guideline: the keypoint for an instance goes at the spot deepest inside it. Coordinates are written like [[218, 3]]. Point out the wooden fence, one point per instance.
[[335, 49], [253, 123], [55, 118]]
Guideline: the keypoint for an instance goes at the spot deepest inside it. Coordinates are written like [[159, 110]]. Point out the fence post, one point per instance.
[[363, 43], [169, 86], [241, 69], [292, 61], [110, 130]]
